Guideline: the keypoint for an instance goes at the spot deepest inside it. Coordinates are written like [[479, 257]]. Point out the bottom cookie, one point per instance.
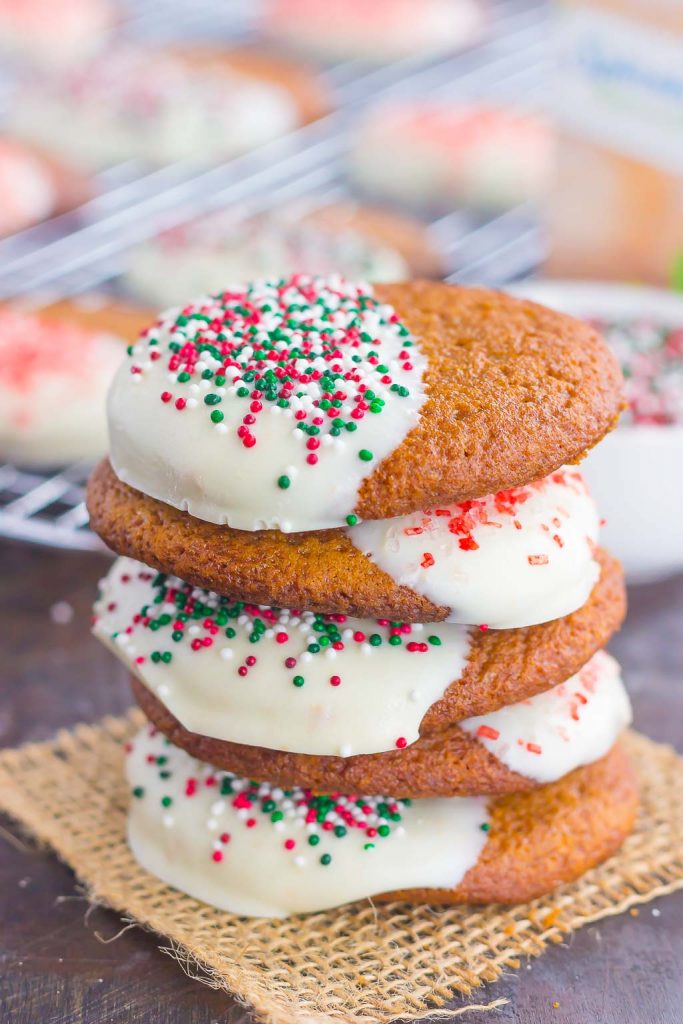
[[258, 850]]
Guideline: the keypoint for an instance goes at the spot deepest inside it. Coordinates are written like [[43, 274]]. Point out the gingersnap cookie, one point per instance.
[[374, 33], [229, 674], [511, 750], [306, 403], [482, 156], [56, 363], [50, 33], [258, 850], [198, 103], [361, 242], [34, 186], [516, 558]]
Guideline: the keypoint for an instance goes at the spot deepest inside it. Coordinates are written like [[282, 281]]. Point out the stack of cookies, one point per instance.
[[361, 597]]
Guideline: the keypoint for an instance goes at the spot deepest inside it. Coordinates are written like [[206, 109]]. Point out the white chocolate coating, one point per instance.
[[202, 256], [155, 108], [376, 32], [238, 859], [26, 190], [553, 733], [381, 695], [515, 558], [478, 156], [54, 377], [165, 443]]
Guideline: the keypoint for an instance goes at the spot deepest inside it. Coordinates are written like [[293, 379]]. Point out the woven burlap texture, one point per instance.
[[359, 963]]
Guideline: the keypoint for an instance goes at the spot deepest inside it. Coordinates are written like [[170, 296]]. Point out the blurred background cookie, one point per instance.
[[484, 156], [376, 32], [348, 238], [56, 363], [34, 186], [199, 103], [54, 33]]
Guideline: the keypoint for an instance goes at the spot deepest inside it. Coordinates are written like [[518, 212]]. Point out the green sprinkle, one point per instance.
[[212, 399], [434, 640], [298, 680], [352, 520], [364, 455], [166, 801], [485, 827], [138, 792], [217, 416], [313, 840], [375, 639], [283, 482], [326, 859]]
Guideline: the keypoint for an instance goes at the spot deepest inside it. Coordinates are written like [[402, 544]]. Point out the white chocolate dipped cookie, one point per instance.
[[379, 32], [256, 408], [515, 558], [335, 686], [56, 364], [359, 242], [481, 156], [265, 851], [199, 105], [54, 33], [259, 851]]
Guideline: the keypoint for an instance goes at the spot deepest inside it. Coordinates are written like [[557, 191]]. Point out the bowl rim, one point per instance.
[[573, 295]]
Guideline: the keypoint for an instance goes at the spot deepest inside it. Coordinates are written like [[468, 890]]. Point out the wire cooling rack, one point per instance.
[[86, 249]]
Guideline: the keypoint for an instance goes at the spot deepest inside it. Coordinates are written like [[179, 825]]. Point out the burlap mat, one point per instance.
[[359, 963]]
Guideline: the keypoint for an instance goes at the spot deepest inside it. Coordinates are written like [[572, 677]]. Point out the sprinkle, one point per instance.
[[283, 482], [538, 559], [486, 732], [364, 455]]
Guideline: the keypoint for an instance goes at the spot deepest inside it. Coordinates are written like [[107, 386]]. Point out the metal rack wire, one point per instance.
[[77, 252]]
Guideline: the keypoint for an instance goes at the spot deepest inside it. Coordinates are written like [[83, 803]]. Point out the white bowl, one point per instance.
[[636, 473]]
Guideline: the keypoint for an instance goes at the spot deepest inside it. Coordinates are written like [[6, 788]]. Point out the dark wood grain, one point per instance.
[[63, 965]]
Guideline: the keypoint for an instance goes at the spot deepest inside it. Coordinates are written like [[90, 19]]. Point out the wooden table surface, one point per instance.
[[61, 965]]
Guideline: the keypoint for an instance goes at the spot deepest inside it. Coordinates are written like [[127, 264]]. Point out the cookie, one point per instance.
[[198, 104], [306, 404], [481, 156], [256, 850], [50, 33], [52, 410], [375, 33], [34, 186], [462, 673], [358, 241], [522, 556], [511, 750]]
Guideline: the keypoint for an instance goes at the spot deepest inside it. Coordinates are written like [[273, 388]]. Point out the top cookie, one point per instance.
[[310, 403]]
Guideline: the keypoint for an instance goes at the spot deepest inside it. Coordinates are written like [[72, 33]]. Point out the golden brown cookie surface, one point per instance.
[[515, 390], [547, 837]]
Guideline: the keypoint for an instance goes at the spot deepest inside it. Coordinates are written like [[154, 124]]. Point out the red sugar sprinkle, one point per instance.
[[217, 856], [180, 403], [289, 844], [533, 748], [225, 837], [401, 742], [290, 662], [166, 396], [486, 732], [538, 559], [250, 822], [242, 670], [427, 560], [335, 680]]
